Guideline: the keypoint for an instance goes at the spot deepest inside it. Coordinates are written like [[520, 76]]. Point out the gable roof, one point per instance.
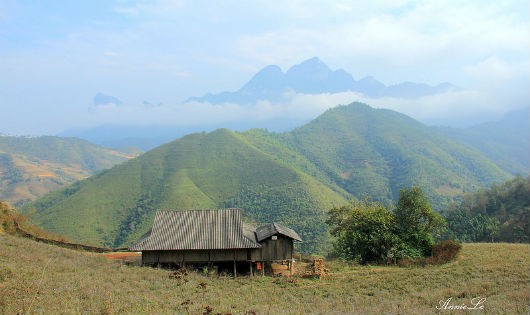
[[273, 229], [195, 230]]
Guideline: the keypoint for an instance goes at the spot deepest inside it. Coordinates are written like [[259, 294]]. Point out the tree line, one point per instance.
[[498, 214], [367, 231]]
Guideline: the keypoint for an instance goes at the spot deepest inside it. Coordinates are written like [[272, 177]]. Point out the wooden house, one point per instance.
[[213, 237]]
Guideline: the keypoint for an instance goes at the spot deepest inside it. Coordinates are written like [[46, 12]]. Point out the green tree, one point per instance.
[[364, 231], [468, 227], [417, 223]]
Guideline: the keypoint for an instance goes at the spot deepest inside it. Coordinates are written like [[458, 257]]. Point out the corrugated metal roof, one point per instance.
[[249, 232], [196, 229], [273, 229]]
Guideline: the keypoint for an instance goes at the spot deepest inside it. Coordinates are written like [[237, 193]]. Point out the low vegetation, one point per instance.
[[13, 223], [37, 278]]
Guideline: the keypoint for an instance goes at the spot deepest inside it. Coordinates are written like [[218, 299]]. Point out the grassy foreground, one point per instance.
[[42, 279]]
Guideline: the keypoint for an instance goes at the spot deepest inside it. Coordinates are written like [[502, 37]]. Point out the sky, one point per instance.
[[55, 56]]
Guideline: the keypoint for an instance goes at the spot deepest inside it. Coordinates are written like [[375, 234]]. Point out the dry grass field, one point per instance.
[[37, 278]]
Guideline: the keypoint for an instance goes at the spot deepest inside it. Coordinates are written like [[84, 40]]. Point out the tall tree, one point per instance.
[[417, 223], [364, 231]]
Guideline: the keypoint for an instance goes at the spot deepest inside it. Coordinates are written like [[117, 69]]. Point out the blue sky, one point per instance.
[[56, 55]]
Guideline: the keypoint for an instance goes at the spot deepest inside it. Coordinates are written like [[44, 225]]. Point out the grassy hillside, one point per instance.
[[42, 279], [351, 151], [31, 167], [376, 152], [198, 171]]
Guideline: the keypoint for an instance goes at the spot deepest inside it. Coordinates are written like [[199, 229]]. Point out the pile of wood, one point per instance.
[[318, 268], [282, 269], [315, 269]]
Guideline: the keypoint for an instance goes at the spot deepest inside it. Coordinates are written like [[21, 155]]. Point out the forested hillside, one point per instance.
[[500, 213], [32, 166], [376, 152], [351, 151]]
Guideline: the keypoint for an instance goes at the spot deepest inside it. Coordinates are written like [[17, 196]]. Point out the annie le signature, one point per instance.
[[475, 304]]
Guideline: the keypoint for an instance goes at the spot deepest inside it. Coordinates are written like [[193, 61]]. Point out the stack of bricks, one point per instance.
[[318, 268]]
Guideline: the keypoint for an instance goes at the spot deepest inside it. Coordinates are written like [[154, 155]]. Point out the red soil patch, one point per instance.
[[122, 255]]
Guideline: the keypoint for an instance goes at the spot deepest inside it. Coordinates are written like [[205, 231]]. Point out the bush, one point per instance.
[[445, 251], [442, 253]]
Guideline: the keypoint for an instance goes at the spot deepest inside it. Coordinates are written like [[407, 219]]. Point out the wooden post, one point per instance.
[[184, 259], [235, 271], [251, 273], [262, 268]]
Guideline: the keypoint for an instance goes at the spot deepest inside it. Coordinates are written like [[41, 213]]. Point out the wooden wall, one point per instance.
[[214, 255], [279, 249]]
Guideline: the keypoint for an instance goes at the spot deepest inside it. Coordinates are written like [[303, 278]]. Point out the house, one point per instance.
[[214, 237]]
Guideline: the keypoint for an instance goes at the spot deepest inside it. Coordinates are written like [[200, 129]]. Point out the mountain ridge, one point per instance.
[[313, 76], [33, 166]]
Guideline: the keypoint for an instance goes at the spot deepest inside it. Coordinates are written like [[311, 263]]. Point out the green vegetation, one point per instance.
[[367, 232], [417, 224], [501, 213], [31, 167], [349, 152], [11, 221], [218, 169], [364, 232], [36, 278], [376, 152]]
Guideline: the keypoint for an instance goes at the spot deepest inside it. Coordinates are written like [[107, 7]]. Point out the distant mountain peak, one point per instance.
[[313, 63], [313, 76], [106, 100], [268, 78]]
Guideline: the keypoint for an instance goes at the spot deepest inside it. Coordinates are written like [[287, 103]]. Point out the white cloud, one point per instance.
[[453, 106], [171, 50], [494, 67], [429, 36]]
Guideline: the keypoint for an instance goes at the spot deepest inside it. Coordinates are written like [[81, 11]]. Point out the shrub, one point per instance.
[[445, 251], [442, 253]]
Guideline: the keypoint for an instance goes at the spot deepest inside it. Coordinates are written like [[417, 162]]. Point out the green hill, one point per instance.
[[197, 171], [351, 151], [31, 167], [376, 152]]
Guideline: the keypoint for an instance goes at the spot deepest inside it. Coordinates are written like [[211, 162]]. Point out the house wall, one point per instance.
[[279, 249], [180, 256]]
